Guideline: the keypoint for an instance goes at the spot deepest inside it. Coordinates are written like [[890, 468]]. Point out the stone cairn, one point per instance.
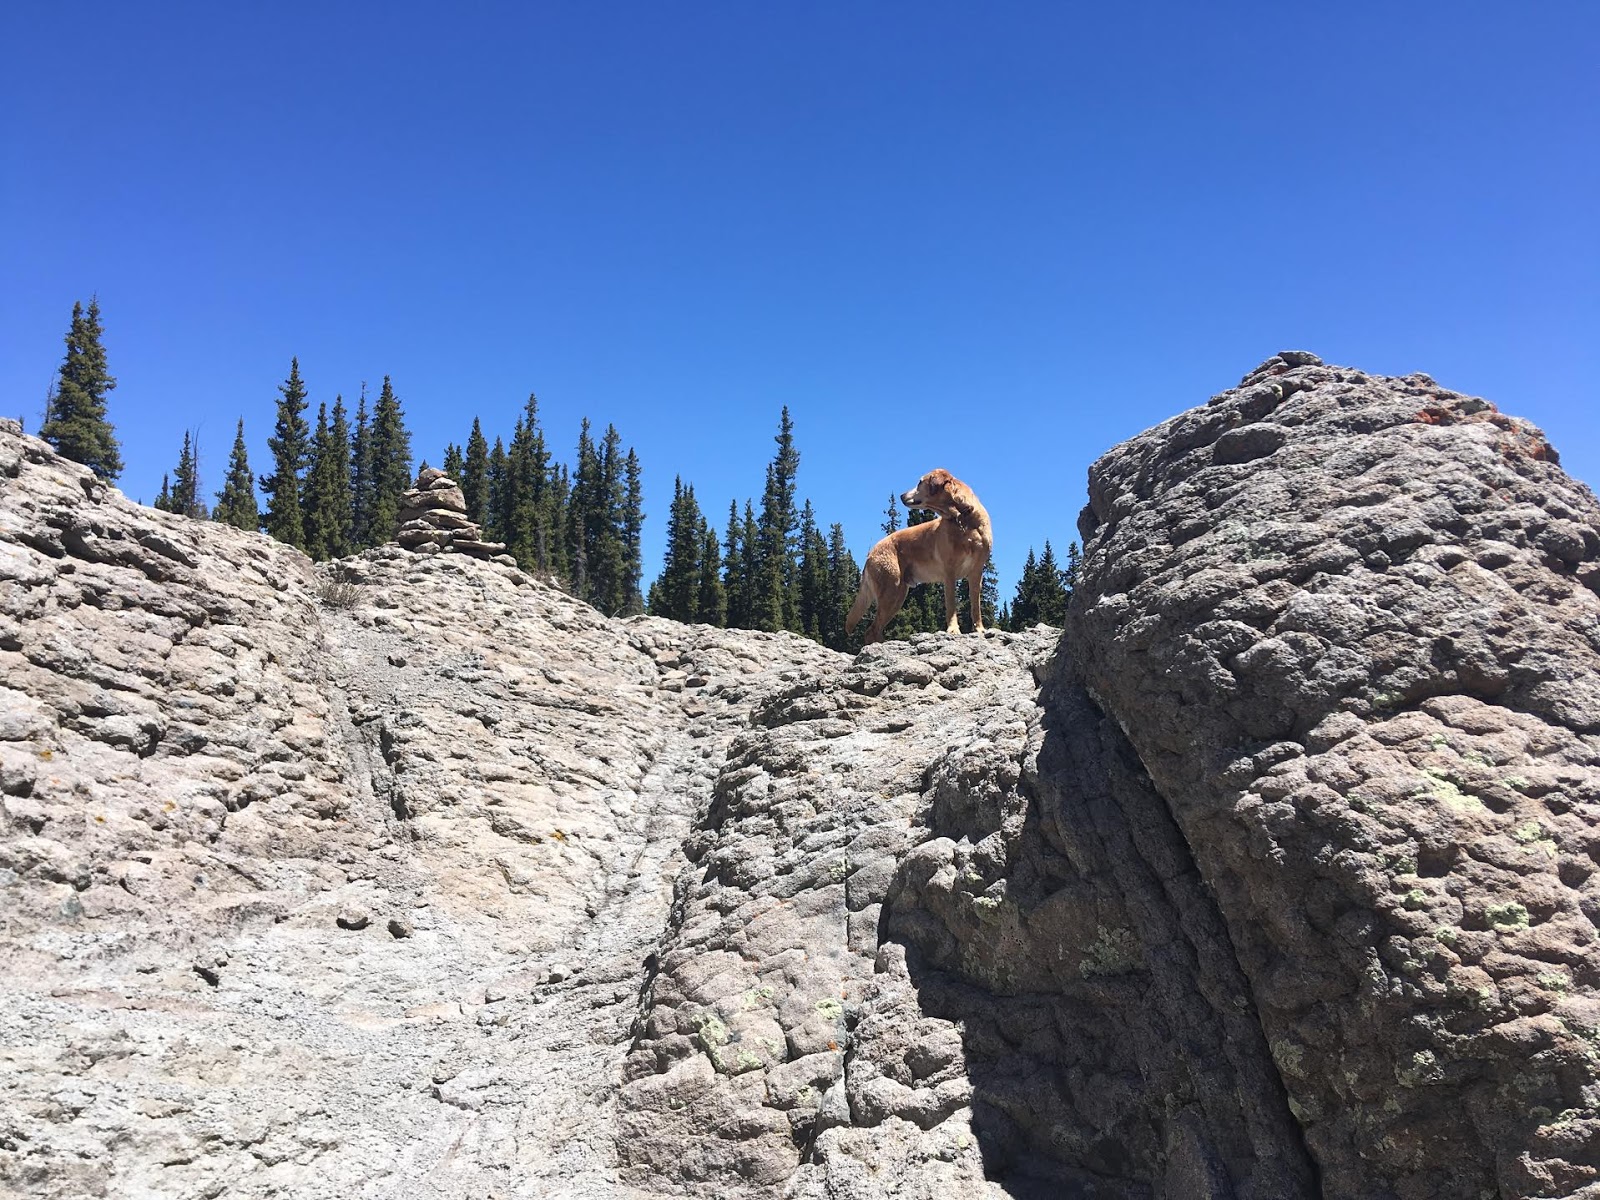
[[433, 520]]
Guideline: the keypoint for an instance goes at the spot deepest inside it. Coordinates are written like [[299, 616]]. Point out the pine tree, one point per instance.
[[580, 508], [361, 477], [290, 447], [475, 475], [341, 488], [580, 557], [186, 480], [633, 536], [812, 579], [554, 521], [236, 502], [713, 601], [734, 584], [454, 462], [1052, 589], [328, 515], [844, 579], [607, 568], [498, 485], [677, 591], [391, 464], [317, 518], [75, 421], [1069, 574], [180, 490], [595, 524], [775, 599], [527, 506], [1042, 591], [516, 516], [750, 566]]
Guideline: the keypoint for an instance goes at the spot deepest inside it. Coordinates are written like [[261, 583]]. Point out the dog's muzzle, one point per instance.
[[909, 499]]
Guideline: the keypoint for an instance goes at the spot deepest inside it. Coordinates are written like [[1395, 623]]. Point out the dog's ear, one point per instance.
[[959, 496]]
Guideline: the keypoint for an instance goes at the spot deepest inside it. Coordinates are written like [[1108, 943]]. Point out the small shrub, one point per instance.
[[340, 587]]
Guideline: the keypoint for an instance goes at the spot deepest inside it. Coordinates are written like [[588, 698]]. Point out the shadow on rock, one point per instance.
[[1108, 1042]]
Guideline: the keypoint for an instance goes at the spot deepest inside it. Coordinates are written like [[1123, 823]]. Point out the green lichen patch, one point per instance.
[[1534, 836], [1113, 952], [1289, 1057], [757, 996], [987, 908], [1400, 862], [710, 1032], [1447, 791], [1422, 1067], [1507, 916]]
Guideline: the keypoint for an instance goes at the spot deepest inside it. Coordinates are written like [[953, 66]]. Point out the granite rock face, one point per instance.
[[327, 882], [1350, 627], [1275, 877]]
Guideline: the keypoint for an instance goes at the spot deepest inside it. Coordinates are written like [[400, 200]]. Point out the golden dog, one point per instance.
[[954, 545]]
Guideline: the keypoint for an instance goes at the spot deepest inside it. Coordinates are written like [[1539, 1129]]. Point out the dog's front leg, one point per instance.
[[952, 621], [975, 595]]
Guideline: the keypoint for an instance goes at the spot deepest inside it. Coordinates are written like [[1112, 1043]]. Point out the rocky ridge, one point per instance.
[[1275, 878]]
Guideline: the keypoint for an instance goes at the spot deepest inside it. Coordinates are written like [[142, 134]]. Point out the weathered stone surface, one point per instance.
[[447, 498], [493, 551], [410, 875], [279, 841], [438, 518], [1358, 655]]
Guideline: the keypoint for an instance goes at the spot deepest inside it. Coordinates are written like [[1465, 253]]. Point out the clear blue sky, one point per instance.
[[995, 238]]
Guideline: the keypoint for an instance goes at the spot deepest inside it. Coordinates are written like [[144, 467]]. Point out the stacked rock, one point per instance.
[[433, 518]]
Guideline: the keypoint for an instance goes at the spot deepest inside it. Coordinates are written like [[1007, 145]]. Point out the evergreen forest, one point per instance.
[[333, 489]]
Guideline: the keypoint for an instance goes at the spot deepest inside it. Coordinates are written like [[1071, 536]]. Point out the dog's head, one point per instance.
[[937, 490]]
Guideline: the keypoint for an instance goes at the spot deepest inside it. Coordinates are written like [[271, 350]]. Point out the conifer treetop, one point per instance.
[[75, 421]]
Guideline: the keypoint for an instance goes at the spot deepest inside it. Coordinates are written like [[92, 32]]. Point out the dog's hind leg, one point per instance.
[[859, 608], [889, 604]]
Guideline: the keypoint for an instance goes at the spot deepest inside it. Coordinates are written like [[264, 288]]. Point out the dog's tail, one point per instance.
[[859, 608]]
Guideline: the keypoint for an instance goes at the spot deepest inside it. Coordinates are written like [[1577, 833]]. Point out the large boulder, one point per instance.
[[1349, 626]]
